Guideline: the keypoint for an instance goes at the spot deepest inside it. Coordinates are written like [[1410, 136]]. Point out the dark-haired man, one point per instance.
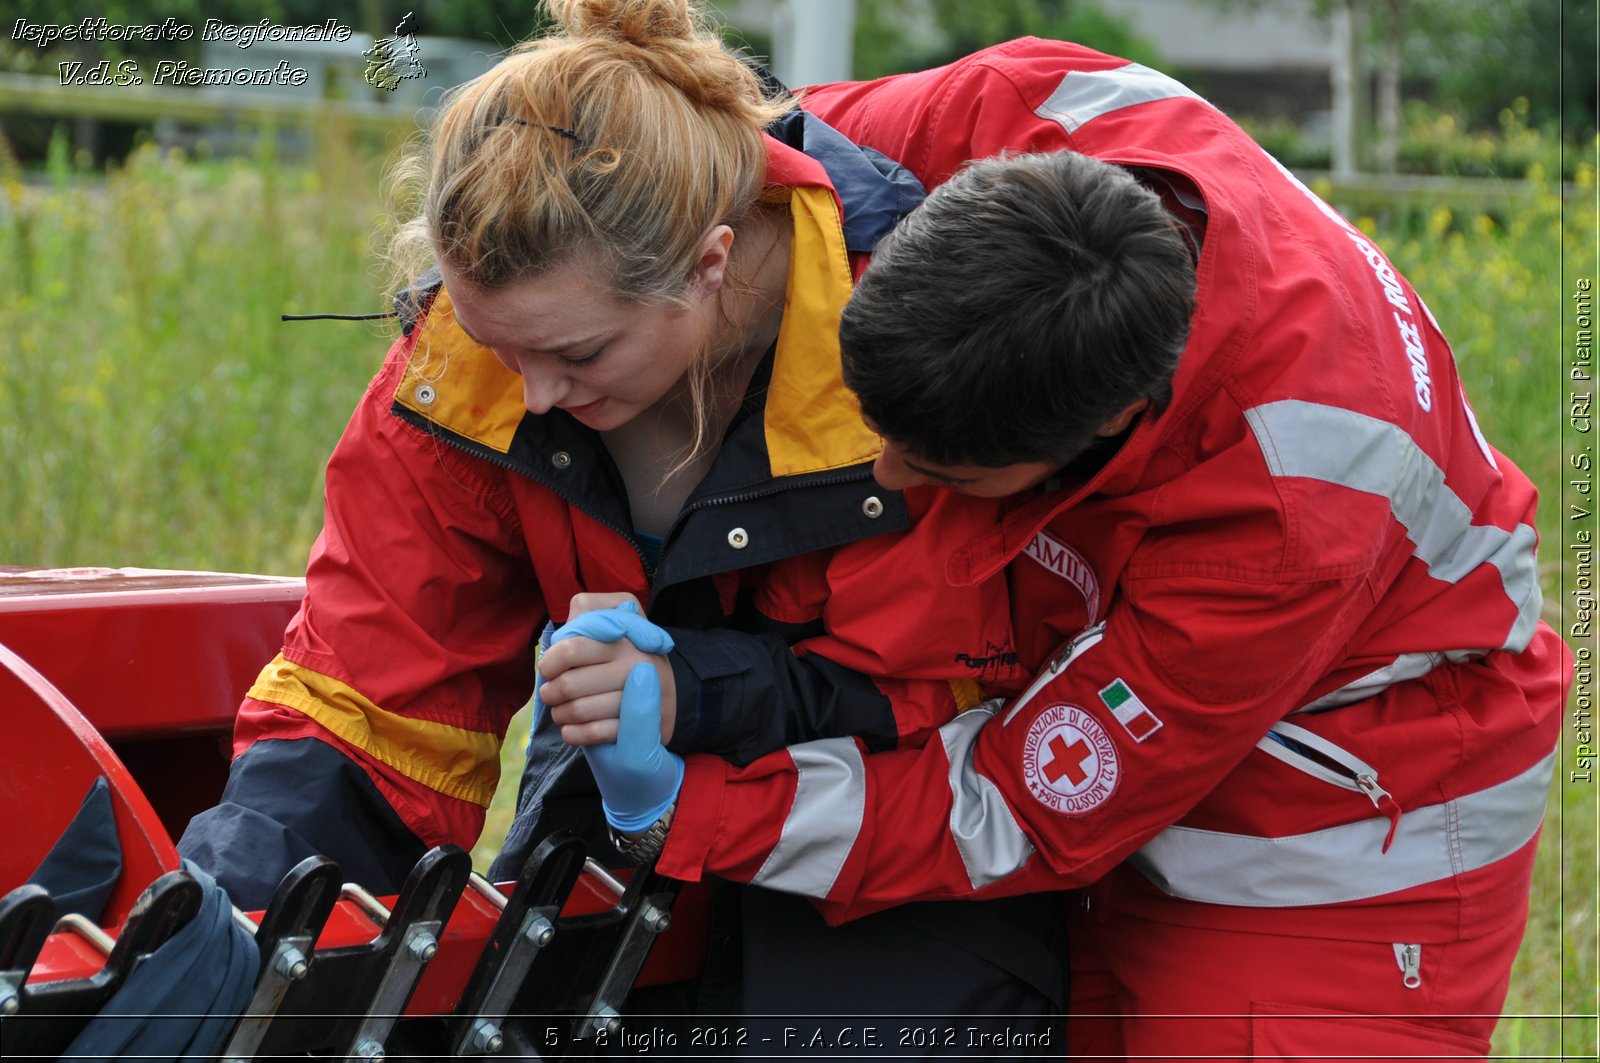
[[1296, 712]]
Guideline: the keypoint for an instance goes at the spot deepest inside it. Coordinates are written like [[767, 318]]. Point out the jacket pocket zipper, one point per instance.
[[1309, 752], [1409, 957], [1075, 646]]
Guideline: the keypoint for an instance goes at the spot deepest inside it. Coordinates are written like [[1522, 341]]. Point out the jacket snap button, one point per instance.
[[561, 459], [873, 507], [738, 538], [425, 395]]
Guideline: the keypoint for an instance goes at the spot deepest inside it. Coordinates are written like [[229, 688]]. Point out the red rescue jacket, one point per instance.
[[1290, 633]]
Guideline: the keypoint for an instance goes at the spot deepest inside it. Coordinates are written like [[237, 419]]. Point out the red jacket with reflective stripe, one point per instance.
[[1312, 538], [457, 523]]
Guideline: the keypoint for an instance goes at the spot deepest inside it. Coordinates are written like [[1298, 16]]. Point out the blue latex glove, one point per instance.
[[610, 625], [538, 680], [639, 777]]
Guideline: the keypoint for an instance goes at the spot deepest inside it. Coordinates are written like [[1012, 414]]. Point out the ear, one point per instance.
[[1119, 424], [711, 268]]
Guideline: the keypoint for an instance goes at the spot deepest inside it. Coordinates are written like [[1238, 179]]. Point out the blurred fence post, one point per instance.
[[1346, 78], [812, 40]]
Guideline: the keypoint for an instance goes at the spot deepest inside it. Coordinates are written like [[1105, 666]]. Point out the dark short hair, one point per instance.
[[1024, 304]]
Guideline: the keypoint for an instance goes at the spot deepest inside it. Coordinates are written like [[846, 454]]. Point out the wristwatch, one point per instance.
[[642, 849]]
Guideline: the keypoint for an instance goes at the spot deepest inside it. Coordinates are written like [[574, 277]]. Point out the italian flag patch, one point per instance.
[[1134, 715]]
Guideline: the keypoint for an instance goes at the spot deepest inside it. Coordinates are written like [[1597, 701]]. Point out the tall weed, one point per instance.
[[158, 412]]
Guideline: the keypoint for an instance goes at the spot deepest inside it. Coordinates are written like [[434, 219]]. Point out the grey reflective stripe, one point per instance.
[[829, 802], [986, 835], [1365, 454], [1351, 767], [1405, 666], [1085, 95], [1347, 863]]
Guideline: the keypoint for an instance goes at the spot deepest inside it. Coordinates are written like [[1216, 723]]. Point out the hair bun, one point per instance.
[[676, 40], [642, 23]]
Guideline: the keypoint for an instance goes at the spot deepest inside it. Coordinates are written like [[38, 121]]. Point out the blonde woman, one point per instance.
[[624, 383]]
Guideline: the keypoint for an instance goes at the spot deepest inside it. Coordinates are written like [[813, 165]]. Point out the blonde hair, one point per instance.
[[623, 137]]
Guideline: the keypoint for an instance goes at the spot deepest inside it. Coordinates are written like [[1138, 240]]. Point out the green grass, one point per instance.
[[157, 411], [158, 414]]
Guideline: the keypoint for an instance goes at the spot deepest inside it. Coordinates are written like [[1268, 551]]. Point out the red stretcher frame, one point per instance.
[[136, 675]]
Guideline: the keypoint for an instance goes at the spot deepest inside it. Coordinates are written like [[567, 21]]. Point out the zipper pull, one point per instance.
[[1084, 640], [1076, 645], [1410, 959], [1368, 784]]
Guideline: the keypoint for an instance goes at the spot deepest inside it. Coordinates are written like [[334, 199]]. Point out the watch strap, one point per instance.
[[643, 849]]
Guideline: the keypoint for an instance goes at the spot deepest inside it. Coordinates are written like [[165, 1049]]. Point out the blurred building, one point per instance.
[[1267, 58], [1260, 57]]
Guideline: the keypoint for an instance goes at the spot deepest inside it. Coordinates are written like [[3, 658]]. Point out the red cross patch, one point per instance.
[[1069, 761]]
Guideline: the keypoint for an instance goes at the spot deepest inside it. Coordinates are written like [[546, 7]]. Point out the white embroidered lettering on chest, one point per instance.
[[1071, 566], [1069, 762], [1410, 337]]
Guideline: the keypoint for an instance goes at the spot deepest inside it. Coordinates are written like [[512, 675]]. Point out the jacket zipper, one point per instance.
[[1314, 755], [774, 489], [1409, 957], [1074, 648]]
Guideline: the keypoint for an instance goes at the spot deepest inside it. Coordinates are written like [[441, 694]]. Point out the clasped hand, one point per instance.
[[638, 777], [588, 662]]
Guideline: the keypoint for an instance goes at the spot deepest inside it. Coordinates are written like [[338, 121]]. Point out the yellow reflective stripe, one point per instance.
[[813, 421], [454, 761], [967, 693], [460, 385]]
